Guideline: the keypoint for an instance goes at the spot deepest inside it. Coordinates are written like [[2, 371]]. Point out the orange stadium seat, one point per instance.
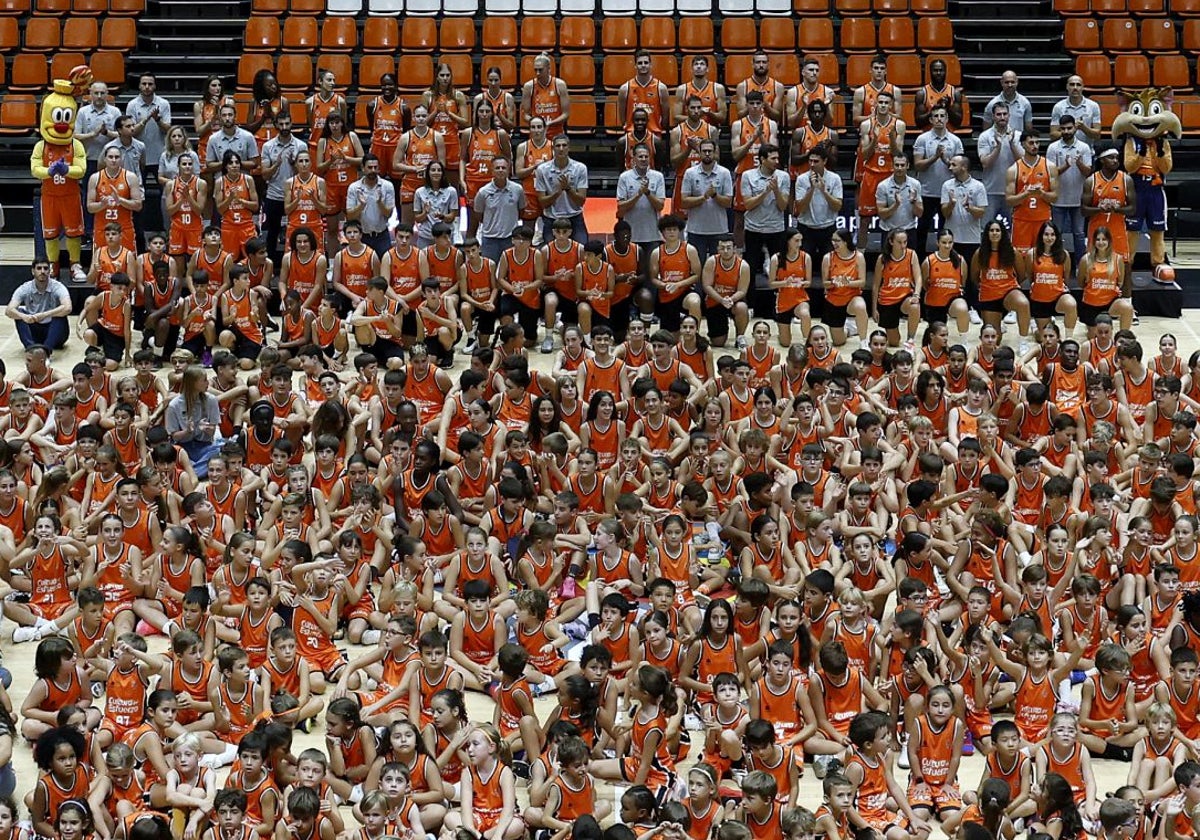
[[830, 72], [1147, 8], [853, 7], [929, 7], [414, 72], [935, 34], [307, 7], [1172, 71], [14, 7], [785, 68], [1109, 7], [1095, 70], [905, 70], [126, 7], [499, 34], [858, 69], [658, 34], [896, 35], [300, 34], [262, 34], [1072, 7], [457, 34], [381, 35], [739, 34], [1119, 35], [507, 65], [1189, 114], [578, 71], [299, 112], [777, 34], [858, 35], [274, 8], [1179, 8], [618, 69], [89, 7], [63, 62], [18, 115], [340, 65], [339, 34], [537, 33], [10, 34], [582, 120], [42, 35], [52, 7], [29, 72], [614, 123], [816, 34], [1131, 71], [953, 67], [810, 7], [618, 34], [295, 72], [1158, 35], [737, 67], [462, 68], [81, 34], [1081, 35], [578, 34], [371, 68], [1191, 36], [891, 7], [419, 34], [696, 35], [248, 66]]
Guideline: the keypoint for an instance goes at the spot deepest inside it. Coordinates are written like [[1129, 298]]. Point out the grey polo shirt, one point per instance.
[[965, 227], [152, 135], [819, 214], [1020, 112], [1086, 112], [360, 193], [642, 217], [438, 202], [938, 172], [545, 180], [133, 156], [35, 302], [499, 209], [283, 151], [242, 142], [168, 165], [766, 217], [993, 176], [889, 192], [89, 119], [709, 218], [1070, 180]]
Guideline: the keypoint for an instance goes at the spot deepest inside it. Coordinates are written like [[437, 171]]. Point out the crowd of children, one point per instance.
[[703, 580]]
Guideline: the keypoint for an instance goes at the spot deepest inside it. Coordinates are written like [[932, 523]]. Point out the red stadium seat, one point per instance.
[[896, 35], [10, 35], [300, 34], [810, 7], [1095, 70], [578, 34], [538, 34], [618, 34], [457, 35], [126, 7], [59, 8], [665, 68], [582, 120], [1119, 35], [1131, 71], [63, 62], [1179, 8], [1147, 8], [339, 34], [1158, 35], [89, 7], [929, 7], [935, 34], [381, 35], [1081, 35], [307, 7], [891, 7], [274, 8], [14, 7], [618, 69], [816, 34], [419, 34], [499, 34], [785, 68], [853, 7], [248, 66], [696, 35], [858, 69], [737, 67], [1191, 36], [614, 123], [858, 35], [658, 34], [1172, 71]]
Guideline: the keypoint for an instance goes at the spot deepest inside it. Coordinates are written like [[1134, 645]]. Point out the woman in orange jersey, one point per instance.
[[531, 154], [186, 197], [943, 274], [790, 274], [206, 113], [115, 568], [489, 792], [501, 101], [449, 114], [934, 747], [482, 143], [1048, 266], [237, 203], [897, 285], [417, 147], [387, 116], [844, 275], [1107, 283], [338, 156], [266, 104], [323, 104], [304, 197], [994, 272]]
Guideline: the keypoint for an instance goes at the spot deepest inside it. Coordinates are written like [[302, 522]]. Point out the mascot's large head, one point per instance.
[[61, 104], [1146, 114]]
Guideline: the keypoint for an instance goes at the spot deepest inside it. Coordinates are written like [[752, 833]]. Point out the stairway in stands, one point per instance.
[[183, 41], [1020, 35]]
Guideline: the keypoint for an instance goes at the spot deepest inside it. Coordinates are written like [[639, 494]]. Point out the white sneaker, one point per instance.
[[740, 342], [692, 722], [78, 274], [902, 759], [24, 634], [974, 316], [852, 328], [548, 344], [1010, 318], [371, 637]]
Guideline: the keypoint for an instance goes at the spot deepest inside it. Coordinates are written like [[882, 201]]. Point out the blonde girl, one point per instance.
[[489, 789]]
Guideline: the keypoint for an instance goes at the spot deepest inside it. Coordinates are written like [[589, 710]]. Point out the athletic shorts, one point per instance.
[[867, 186], [1025, 231], [1039, 309], [890, 315], [243, 347], [1151, 212], [112, 345], [61, 216]]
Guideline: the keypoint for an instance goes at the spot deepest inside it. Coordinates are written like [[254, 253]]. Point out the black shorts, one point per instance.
[[835, 316], [929, 314], [408, 325], [196, 345], [717, 319], [789, 315], [485, 322], [244, 348], [1041, 310], [526, 316], [996, 305], [139, 318], [112, 345], [890, 315], [670, 314], [567, 309], [384, 349], [1089, 313]]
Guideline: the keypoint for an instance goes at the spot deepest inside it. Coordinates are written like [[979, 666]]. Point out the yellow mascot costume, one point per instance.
[[1147, 124], [59, 161]]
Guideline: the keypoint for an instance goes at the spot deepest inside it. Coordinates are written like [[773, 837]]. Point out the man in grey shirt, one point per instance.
[[765, 190], [641, 193], [818, 202], [371, 200], [231, 138], [932, 153], [898, 198], [1085, 111], [1020, 112], [998, 148], [964, 202], [562, 186], [498, 206], [151, 115], [95, 125], [707, 196], [1071, 158], [278, 165], [39, 307]]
